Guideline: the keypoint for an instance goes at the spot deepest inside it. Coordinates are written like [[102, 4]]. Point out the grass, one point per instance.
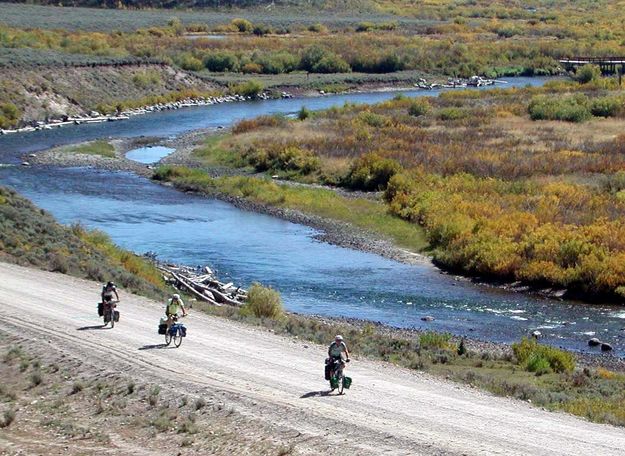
[[100, 148], [366, 214]]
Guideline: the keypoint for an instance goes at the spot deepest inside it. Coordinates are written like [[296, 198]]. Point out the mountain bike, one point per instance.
[[110, 314], [175, 333]]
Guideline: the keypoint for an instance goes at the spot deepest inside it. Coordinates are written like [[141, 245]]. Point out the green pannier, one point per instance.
[[347, 382]]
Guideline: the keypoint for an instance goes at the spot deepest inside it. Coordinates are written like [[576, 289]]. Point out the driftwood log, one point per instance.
[[204, 286]]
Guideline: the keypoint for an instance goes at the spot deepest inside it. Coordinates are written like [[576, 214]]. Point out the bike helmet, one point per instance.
[[339, 337], [176, 296], [110, 284]]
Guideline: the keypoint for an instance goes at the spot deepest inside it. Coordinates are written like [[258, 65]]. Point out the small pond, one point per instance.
[[150, 154]]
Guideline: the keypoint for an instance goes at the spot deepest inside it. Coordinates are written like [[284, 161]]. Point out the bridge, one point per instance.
[[608, 65]]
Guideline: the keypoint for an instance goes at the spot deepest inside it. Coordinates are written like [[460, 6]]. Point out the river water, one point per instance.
[[243, 247]]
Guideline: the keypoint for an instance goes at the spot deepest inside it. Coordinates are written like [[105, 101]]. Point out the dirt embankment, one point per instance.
[[272, 386], [52, 92]]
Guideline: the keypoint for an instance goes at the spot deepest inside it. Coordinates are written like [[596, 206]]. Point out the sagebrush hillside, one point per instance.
[[29, 236], [41, 93]]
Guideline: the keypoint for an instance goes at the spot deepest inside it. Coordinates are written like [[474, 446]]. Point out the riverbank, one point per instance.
[[485, 365], [331, 230]]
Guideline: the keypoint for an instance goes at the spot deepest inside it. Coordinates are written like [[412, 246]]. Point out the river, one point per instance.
[[243, 247]]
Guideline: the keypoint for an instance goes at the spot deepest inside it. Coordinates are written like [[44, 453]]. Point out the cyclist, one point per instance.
[[108, 291], [171, 310], [335, 354]]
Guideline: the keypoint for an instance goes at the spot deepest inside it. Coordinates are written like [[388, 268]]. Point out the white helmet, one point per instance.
[[339, 337], [176, 296]]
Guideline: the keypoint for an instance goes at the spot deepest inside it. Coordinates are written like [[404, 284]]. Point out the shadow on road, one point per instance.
[[89, 328], [315, 394], [154, 347]]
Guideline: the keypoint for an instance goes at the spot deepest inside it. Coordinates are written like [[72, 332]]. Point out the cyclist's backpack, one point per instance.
[[100, 309]]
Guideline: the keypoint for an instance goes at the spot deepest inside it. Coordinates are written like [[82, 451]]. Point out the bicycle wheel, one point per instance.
[[112, 317], [177, 339], [167, 338], [340, 383]]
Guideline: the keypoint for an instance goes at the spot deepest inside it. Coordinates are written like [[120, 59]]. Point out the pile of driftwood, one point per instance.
[[202, 283]]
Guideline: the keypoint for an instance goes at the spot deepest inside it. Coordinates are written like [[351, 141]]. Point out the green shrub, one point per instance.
[[539, 364], [607, 106], [587, 73], [289, 158], [372, 119], [250, 88], [452, 113], [277, 62], [530, 354], [303, 113], [419, 107], [221, 61], [188, 62], [571, 109], [9, 115], [263, 302], [435, 341], [242, 25], [321, 60], [261, 30], [365, 26], [371, 172], [318, 28]]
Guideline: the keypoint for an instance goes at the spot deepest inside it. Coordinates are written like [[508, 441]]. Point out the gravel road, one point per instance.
[[280, 380]]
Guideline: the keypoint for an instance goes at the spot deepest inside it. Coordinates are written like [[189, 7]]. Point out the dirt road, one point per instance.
[[279, 380]]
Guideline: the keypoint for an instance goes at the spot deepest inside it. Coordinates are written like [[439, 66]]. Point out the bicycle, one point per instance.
[[109, 314], [175, 333], [338, 380]]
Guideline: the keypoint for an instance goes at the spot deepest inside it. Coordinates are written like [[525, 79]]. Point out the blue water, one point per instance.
[[149, 154], [243, 247]]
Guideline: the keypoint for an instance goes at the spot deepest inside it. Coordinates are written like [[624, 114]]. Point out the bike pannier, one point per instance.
[[116, 316], [183, 331], [347, 382], [334, 382], [328, 369], [162, 328], [100, 309]]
